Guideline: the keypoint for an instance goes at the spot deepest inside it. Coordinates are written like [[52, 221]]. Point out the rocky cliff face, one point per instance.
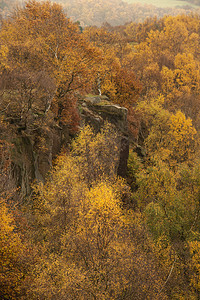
[[32, 154], [95, 110]]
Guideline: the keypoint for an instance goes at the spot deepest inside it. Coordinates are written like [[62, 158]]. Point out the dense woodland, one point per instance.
[[117, 12], [114, 12], [84, 232]]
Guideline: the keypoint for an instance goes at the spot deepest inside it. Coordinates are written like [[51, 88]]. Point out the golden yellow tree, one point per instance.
[[13, 256], [87, 248]]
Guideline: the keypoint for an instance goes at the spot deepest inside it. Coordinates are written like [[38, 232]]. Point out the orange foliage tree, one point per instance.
[[167, 62], [45, 62], [115, 78]]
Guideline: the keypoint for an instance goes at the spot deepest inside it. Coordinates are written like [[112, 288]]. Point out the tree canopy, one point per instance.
[[83, 232]]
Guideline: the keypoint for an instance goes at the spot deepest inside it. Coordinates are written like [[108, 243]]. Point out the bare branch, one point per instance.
[[168, 277]]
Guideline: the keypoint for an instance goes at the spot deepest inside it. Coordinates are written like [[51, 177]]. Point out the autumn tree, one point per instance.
[[45, 61], [16, 253], [167, 63], [138, 32], [165, 189], [116, 80], [88, 242], [11, 249], [169, 136]]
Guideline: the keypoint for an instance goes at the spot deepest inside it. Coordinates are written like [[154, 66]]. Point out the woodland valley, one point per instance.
[[99, 151]]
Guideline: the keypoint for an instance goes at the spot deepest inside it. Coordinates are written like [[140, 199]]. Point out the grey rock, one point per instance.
[[95, 110]]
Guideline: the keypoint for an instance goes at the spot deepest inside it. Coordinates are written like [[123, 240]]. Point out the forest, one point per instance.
[[196, 2], [117, 12], [114, 12], [71, 225]]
